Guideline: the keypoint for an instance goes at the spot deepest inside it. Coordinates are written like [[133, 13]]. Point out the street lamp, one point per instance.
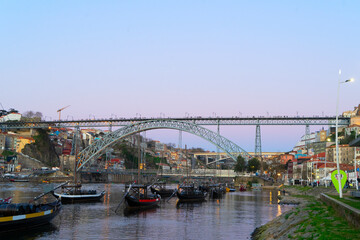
[[336, 131]]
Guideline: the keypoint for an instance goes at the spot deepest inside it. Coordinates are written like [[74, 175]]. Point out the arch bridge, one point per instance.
[[221, 142]]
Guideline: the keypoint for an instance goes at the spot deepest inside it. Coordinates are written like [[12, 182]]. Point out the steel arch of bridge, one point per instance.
[[99, 145]]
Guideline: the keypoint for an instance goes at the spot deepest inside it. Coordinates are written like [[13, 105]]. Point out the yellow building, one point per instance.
[[322, 136], [22, 141]]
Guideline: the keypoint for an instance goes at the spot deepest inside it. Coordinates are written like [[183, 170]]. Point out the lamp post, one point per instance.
[[356, 182], [336, 132]]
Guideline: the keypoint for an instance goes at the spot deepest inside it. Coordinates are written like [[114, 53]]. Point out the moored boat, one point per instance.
[[18, 180], [77, 195], [24, 215], [6, 200], [138, 197], [160, 188], [73, 193], [230, 189], [242, 188], [190, 194], [216, 191]]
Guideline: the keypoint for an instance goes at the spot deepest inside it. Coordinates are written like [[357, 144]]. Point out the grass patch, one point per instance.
[[323, 223], [353, 202], [300, 188], [307, 197]]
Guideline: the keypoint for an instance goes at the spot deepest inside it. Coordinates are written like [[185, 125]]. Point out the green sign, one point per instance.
[[335, 176]]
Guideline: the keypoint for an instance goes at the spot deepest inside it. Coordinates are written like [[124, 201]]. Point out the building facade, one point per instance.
[[346, 154]]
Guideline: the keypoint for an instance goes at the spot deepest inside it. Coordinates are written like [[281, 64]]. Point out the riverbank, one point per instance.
[[309, 219]]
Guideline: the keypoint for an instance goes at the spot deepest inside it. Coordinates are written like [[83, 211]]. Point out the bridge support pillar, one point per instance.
[[74, 140], [258, 152], [307, 136], [180, 139]]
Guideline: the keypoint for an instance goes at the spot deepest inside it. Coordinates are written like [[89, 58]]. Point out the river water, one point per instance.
[[235, 216]]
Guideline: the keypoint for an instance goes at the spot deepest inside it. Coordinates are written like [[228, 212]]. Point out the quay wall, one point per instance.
[[352, 215], [114, 178], [28, 162]]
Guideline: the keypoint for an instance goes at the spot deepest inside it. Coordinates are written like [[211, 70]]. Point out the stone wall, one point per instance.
[[28, 162], [352, 215]]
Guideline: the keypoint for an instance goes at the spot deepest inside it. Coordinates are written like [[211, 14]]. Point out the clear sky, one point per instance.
[[177, 58]]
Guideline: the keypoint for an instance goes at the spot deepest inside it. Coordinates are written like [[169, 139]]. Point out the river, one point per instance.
[[235, 216]]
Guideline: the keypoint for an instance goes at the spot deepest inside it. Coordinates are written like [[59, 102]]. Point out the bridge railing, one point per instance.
[[279, 120]]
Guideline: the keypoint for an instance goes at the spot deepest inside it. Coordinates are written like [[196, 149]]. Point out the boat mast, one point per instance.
[[139, 156], [76, 155], [187, 169]]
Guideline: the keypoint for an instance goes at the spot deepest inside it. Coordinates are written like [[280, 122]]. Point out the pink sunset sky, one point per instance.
[[177, 58]]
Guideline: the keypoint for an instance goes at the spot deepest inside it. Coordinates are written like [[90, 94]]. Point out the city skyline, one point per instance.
[[173, 59]]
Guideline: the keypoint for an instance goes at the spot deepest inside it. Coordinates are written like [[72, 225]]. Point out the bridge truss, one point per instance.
[[305, 121], [98, 146]]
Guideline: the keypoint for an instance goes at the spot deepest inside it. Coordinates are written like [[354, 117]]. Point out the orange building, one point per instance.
[[284, 158]]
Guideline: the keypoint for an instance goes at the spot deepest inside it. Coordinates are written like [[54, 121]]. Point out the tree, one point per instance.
[[253, 165], [240, 165], [31, 116]]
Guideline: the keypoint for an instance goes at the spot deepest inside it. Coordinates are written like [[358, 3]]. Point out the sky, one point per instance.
[[175, 58]]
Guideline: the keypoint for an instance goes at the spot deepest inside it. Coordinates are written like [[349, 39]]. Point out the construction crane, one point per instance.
[[59, 111]]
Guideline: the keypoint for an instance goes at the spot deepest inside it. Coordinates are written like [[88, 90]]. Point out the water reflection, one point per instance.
[[234, 216], [40, 231], [133, 211]]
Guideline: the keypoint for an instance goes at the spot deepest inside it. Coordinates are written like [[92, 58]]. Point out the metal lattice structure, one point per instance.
[[98, 146], [214, 121], [258, 152], [307, 136]]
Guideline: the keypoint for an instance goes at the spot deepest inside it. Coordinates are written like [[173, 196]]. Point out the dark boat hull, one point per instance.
[[191, 196], [30, 220], [19, 180], [79, 198], [142, 203], [164, 193], [216, 194]]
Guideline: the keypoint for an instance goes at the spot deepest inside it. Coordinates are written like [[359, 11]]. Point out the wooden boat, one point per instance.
[[73, 194], [6, 200], [230, 189], [138, 197], [23, 215], [18, 180], [160, 188], [242, 188], [216, 191], [190, 194]]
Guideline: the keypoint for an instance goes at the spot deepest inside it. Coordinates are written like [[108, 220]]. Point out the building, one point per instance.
[[346, 154], [159, 147], [8, 141], [12, 115], [353, 128], [305, 141], [22, 141], [353, 115], [313, 143], [319, 147], [284, 158]]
